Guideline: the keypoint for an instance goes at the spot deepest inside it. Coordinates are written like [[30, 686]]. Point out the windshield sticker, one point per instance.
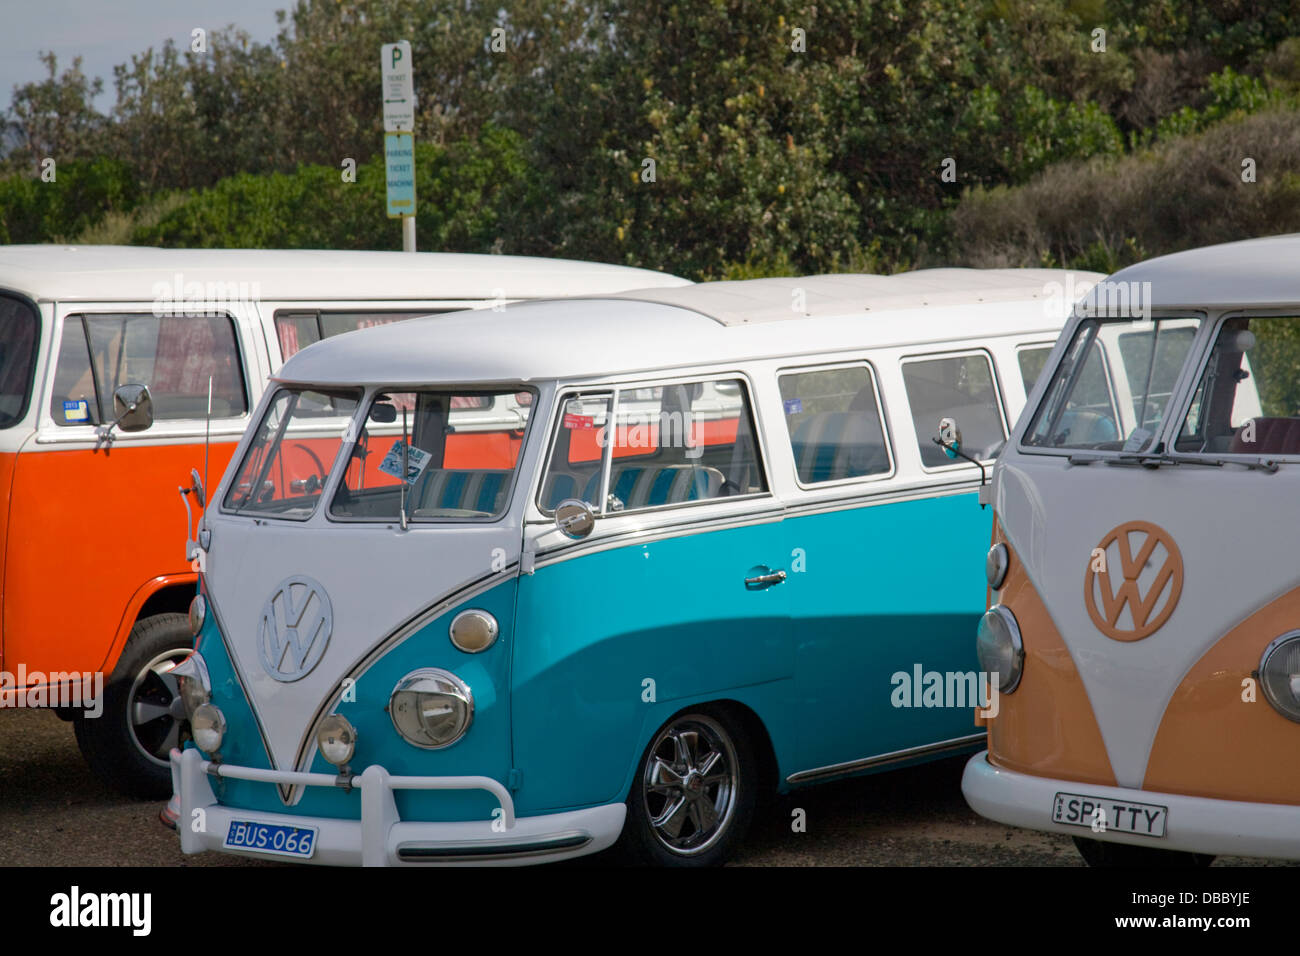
[[77, 411], [1137, 441], [793, 406], [579, 421], [416, 462]]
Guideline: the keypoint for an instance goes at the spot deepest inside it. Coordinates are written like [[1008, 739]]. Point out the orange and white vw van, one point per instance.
[[114, 364], [1144, 587]]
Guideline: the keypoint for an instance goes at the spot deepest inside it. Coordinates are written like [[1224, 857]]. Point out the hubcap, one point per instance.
[[690, 784], [155, 709]]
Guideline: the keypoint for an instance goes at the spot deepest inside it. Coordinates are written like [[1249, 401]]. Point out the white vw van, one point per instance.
[[1143, 585], [511, 587], [106, 356]]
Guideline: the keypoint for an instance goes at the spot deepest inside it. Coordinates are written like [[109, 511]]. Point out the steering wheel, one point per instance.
[[315, 482]]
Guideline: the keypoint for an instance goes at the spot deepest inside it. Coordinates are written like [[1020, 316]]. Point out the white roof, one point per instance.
[[589, 337], [771, 300], [125, 273], [1251, 273]]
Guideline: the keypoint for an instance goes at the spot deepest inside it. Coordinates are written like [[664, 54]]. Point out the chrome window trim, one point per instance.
[[882, 413], [999, 401]]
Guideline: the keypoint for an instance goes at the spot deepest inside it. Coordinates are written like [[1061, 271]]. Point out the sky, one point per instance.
[[106, 32]]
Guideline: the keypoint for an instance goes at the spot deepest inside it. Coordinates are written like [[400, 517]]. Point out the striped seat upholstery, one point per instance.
[[649, 486], [560, 486], [439, 489], [833, 445]]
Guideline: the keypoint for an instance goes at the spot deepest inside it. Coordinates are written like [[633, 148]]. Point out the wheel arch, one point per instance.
[[160, 595]]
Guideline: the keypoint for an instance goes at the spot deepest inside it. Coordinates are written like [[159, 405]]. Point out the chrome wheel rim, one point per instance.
[[690, 785], [154, 709]]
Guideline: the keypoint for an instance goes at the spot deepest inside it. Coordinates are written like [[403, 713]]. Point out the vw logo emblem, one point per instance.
[[1150, 581], [295, 628]]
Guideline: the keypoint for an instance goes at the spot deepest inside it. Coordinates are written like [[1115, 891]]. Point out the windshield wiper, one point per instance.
[[1156, 459]]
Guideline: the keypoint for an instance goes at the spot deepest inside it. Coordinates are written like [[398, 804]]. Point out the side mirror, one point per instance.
[[574, 518], [133, 407], [949, 436]]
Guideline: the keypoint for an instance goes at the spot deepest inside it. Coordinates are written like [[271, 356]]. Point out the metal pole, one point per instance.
[[408, 233]]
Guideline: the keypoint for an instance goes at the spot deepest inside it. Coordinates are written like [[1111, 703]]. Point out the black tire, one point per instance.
[[1102, 853], [125, 747], [704, 836]]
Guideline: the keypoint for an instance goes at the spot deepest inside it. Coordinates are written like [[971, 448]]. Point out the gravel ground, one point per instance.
[[52, 811]]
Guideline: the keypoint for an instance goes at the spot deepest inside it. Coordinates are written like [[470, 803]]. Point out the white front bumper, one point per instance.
[[1194, 824], [380, 837]]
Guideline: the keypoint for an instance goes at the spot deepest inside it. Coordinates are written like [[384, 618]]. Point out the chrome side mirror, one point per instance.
[[574, 518], [133, 407], [949, 436]]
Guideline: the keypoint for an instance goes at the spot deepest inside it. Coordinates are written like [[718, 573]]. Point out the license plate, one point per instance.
[[297, 842], [1122, 816]]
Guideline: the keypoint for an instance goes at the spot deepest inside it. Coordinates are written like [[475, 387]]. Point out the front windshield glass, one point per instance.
[[1248, 399], [457, 449], [1113, 386], [19, 328], [293, 452]]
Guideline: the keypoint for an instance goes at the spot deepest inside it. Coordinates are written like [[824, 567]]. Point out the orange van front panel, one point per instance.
[[86, 530], [1045, 726]]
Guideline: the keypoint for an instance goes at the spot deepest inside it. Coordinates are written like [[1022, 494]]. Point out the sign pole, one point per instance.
[[399, 140]]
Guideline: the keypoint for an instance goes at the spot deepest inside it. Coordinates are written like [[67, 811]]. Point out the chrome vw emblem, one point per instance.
[[295, 628]]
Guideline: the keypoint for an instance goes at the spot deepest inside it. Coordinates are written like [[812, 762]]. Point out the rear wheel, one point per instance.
[[693, 796], [1102, 853], [128, 744]]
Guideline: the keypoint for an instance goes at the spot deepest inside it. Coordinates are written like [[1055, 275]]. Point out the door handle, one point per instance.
[[760, 581]]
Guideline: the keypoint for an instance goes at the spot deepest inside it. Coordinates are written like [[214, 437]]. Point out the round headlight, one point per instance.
[[999, 647], [198, 613], [1279, 672], [431, 708], [208, 725], [337, 739], [996, 564], [473, 631]]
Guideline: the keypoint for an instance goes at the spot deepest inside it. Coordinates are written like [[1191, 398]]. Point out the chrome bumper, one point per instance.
[[381, 837]]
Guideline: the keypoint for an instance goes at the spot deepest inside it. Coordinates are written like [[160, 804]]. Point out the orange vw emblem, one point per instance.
[[1152, 581]]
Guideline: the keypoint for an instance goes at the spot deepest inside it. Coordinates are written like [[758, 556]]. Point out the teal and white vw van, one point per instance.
[[512, 587]]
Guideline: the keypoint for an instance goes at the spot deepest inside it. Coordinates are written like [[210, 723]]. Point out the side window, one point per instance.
[[297, 330], [1032, 360], [682, 443], [834, 422], [959, 387], [173, 354], [577, 451]]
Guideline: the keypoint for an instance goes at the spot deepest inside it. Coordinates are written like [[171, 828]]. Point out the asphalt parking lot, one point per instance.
[[54, 812]]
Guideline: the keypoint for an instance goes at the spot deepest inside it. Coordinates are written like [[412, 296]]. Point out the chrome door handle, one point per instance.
[[758, 582]]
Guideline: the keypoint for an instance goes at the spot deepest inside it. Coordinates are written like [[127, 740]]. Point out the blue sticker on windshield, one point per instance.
[[416, 460], [77, 411], [793, 406]]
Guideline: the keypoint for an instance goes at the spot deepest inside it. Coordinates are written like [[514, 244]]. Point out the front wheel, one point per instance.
[[128, 744], [1103, 854], [693, 796]]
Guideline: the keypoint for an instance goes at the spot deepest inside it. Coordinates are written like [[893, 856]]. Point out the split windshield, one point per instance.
[[1113, 387]]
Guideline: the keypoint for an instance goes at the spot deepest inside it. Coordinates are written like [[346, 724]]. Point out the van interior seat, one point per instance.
[[832, 445], [651, 485], [1083, 427], [1273, 436], [465, 489]]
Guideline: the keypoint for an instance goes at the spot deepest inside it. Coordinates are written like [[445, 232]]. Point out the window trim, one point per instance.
[[564, 393], [906, 360], [1184, 404], [1177, 395], [242, 450], [369, 394], [82, 315], [882, 410]]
